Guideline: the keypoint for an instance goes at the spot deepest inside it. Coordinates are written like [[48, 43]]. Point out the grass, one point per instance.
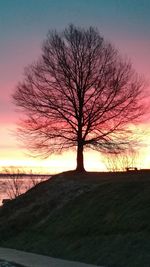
[[99, 218]]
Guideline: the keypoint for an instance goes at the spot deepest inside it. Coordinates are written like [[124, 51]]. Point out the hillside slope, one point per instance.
[[99, 218]]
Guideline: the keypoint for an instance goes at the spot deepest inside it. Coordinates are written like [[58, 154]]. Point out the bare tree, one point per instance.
[[17, 181], [13, 182], [121, 161], [80, 93]]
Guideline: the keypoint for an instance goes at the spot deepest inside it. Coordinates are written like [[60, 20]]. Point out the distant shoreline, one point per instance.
[[23, 175]]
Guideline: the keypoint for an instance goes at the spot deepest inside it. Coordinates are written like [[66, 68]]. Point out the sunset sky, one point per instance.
[[23, 27]]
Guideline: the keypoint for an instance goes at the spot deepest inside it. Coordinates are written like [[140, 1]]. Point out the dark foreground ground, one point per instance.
[[98, 218]]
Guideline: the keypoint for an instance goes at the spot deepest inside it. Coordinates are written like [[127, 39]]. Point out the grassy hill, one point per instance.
[[99, 218]]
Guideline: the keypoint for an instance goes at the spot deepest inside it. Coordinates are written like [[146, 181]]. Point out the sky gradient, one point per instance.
[[23, 27]]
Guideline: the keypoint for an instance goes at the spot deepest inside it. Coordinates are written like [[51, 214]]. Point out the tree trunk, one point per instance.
[[80, 159]]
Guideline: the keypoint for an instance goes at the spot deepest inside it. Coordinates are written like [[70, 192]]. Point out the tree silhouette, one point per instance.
[[80, 93], [128, 159]]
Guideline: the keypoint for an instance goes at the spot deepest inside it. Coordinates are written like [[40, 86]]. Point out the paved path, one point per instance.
[[36, 260]]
